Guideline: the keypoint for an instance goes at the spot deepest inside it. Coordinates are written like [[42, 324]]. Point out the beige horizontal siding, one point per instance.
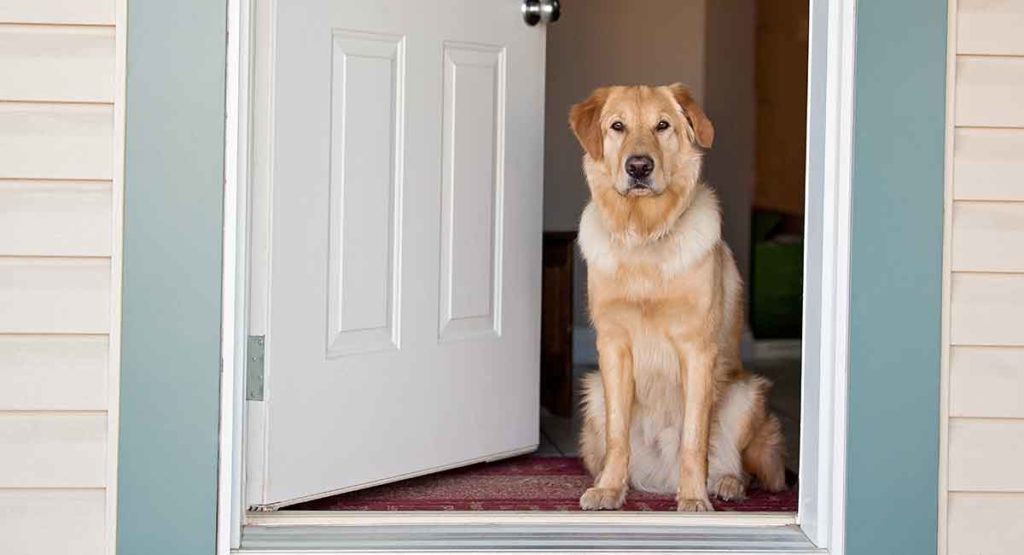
[[986, 454], [59, 239], [988, 236], [988, 91], [983, 426], [55, 218], [987, 309], [54, 372], [56, 141], [988, 165], [986, 382], [54, 295], [54, 449], [70, 12], [985, 523], [57, 63], [52, 521], [990, 27]]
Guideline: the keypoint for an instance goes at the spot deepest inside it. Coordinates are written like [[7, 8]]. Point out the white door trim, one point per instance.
[[823, 450], [830, 83], [234, 329]]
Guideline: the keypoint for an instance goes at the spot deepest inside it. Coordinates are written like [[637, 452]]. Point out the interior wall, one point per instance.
[[609, 42], [731, 103], [782, 35]]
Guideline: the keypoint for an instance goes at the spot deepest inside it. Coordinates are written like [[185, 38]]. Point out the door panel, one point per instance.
[[365, 180], [471, 189], [405, 209]]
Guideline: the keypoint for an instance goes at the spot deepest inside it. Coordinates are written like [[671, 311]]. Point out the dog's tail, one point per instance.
[[765, 456]]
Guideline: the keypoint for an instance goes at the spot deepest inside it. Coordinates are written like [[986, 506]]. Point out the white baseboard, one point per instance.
[[776, 349]]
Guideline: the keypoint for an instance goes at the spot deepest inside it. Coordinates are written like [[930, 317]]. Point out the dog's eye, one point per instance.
[[662, 125], [618, 126]]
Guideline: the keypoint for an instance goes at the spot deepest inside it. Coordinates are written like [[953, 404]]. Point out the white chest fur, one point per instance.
[[692, 236]]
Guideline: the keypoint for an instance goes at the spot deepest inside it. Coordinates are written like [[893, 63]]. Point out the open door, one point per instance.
[[402, 318]]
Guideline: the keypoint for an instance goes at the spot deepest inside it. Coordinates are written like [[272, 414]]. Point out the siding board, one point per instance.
[[988, 165], [986, 382], [53, 522], [990, 27], [74, 12], [56, 141], [986, 455], [984, 420], [57, 63], [54, 449], [988, 236], [55, 218], [44, 372], [988, 91], [61, 295], [987, 309], [985, 524]]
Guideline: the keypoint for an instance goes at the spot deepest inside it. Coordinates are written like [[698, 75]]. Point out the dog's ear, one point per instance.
[[585, 121], [703, 131]]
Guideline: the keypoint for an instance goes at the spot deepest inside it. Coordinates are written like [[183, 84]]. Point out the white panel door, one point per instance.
[[403, 319]]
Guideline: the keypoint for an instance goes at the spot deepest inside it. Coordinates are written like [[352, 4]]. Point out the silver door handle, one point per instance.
[[541, 11]]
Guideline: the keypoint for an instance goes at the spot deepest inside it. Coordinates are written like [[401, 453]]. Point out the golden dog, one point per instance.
[[672, 408]]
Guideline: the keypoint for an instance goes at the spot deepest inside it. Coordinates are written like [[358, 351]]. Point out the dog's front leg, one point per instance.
[[697, 365], [615, 359]]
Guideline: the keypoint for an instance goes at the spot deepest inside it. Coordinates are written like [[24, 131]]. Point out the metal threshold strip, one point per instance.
[[525, 537]]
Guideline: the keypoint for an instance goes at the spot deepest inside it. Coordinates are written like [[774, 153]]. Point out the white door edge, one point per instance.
[[823, 523], [234, 326]]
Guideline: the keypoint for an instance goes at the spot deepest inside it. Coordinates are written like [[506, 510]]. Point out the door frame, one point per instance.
[[823, 439], [892, 157]]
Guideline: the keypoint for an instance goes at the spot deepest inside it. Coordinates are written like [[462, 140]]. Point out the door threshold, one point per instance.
[[430, 518], [627, 533]]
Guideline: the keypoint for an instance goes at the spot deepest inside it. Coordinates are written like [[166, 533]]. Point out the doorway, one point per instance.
[[714, 34], [746, 61]]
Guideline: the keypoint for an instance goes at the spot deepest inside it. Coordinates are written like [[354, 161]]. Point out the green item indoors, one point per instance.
[[776, 280]]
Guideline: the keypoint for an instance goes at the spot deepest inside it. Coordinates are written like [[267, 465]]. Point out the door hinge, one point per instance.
[[254, 368]]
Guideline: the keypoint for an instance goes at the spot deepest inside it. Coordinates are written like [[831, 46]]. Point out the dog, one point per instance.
[[671, 409]]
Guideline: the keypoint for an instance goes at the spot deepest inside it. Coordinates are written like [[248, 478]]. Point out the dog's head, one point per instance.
[[642, 141]]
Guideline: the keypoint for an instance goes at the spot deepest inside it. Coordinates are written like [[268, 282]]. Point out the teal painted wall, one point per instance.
[[170, 357], [896, 278]]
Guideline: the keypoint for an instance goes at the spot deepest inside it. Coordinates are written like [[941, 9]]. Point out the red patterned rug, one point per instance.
[[528, 483]]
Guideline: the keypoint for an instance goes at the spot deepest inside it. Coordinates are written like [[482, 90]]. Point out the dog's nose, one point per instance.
[[639, 167]]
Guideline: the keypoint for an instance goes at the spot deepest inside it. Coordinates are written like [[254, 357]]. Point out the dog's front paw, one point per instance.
[[602, 499], [728, 488], [694, 505]]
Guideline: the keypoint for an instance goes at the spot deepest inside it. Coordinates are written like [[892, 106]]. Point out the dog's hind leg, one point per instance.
[[746, 440], [726, 479], [592, 445], [734, 417]]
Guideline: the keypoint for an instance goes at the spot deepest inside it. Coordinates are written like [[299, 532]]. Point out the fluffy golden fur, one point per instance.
[[672, 409]]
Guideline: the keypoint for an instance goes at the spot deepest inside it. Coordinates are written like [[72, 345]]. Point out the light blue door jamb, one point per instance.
[[170, 354], [896, 278]]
